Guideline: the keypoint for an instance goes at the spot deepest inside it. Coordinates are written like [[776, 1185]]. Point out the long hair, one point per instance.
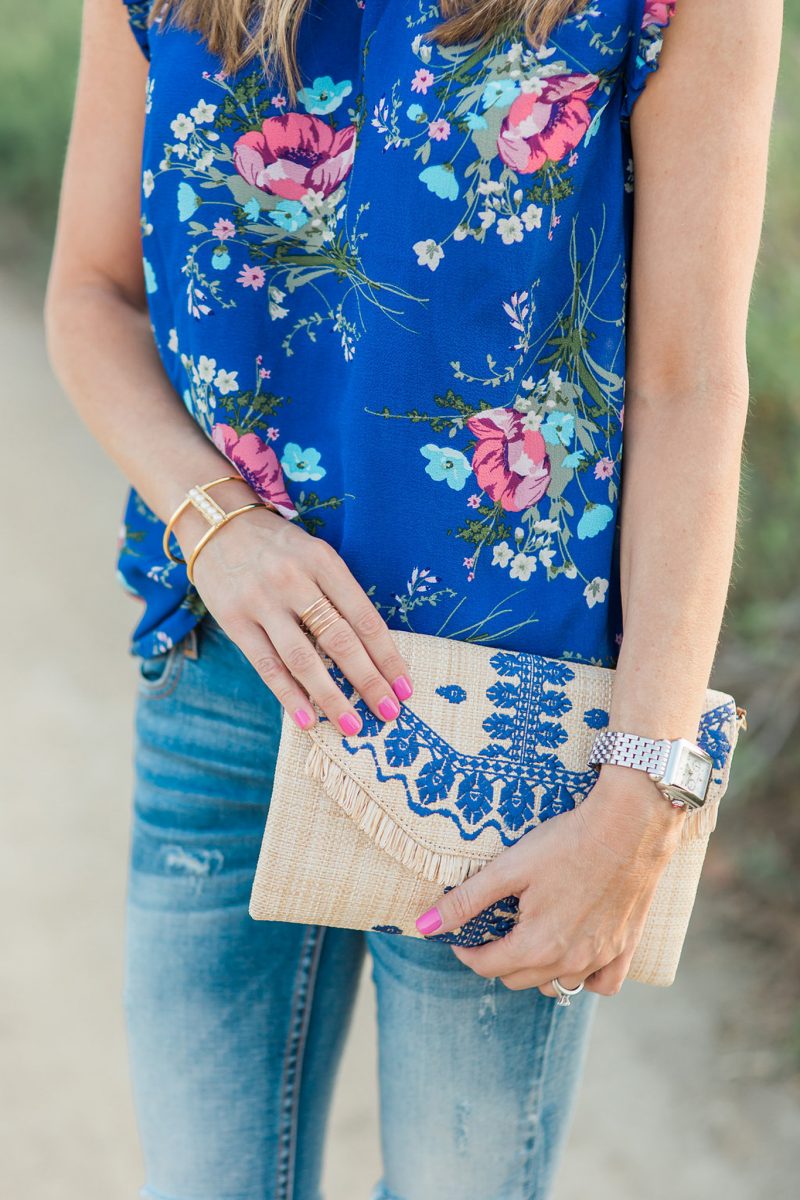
[[238, 30]]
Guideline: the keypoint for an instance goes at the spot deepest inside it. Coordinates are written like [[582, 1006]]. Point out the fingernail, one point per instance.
[[302, 717], [402, 687], [429, 922], [349, 723], [388, 708]]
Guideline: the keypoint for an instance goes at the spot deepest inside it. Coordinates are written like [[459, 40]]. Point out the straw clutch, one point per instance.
[[367, 831]]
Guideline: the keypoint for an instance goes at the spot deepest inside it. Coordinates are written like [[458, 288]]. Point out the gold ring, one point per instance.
[[319, 616]]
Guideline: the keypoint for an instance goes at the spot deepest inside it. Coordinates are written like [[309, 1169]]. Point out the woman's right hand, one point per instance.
[[256, 575]]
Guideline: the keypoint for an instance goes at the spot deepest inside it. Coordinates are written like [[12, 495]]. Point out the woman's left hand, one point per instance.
[[584, 879]]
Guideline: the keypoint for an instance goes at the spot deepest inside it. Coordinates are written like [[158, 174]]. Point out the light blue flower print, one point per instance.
[[499, 93], [150, 283], [441, 180], [558, 427], [446, 464], [289, 214], [252, 210], [220, 259], [594, 520], [415, 112], [301, 464], [574, 460], [324, 96], [188, 202], [474, 120]]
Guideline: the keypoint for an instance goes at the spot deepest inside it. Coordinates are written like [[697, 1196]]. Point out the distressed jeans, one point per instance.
[[235, 1027]]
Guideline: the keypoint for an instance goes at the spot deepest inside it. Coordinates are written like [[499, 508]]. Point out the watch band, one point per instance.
[[630, 750]]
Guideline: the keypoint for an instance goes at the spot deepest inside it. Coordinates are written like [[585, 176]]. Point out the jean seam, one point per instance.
[[536, 1108], [293, 1060]]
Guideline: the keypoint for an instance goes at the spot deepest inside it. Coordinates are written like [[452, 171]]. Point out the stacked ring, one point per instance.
[[319, 616]]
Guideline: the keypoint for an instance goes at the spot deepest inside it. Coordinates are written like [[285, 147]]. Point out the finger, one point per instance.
[[343, 589], [609, 979], [258, 648], [305, 665], [493, 882], [341, 643]]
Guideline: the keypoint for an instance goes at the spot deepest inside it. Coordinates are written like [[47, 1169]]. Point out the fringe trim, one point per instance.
[[447, 869]]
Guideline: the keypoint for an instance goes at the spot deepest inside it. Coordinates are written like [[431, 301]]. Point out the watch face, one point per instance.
[[696, 774], [688, 769]]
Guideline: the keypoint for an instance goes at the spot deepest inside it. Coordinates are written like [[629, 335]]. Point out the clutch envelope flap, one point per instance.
[[491, 743]]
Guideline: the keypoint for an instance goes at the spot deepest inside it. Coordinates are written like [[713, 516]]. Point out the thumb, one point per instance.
[[460, 904]]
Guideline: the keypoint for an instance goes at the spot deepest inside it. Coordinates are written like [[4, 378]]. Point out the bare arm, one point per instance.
[[258, 573], [700, 130]]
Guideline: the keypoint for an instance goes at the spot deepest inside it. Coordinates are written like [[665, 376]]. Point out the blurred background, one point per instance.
[[692, 1090]]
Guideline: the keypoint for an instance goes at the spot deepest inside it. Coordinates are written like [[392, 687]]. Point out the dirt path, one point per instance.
[[680, 1099]]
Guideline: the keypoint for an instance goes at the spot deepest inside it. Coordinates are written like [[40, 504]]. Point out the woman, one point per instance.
[[383, 269]]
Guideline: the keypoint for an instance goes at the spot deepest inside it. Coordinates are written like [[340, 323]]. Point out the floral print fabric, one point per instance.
[[398, 308]]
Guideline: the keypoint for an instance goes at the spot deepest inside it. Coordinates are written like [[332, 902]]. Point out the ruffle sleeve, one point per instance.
[[651, 20], [138, 12]]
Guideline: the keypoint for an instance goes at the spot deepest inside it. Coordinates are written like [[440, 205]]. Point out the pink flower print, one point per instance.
[[279, 101], [474, 500], [603, 469], [439, 129], [263, 373], [658, 12], [295, 153], [423, 78], [258, 465], [510, 462], [223, 229], [543, 128], [273, 434], [251, 277]]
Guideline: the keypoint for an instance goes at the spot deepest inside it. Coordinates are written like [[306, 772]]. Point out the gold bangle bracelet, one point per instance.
[[201, 487], [207, 536]]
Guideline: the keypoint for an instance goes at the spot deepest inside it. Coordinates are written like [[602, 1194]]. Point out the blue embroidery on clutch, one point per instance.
[[516, 780], [453, 692], [494, 922]]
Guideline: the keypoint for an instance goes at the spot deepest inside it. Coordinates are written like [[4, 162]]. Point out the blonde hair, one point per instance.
[[227, 26]]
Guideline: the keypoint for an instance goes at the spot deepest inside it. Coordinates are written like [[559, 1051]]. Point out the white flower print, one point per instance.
[[429, 253], [502, 554], [510, 229], [203, 112], [532, 217], [226, 382], [206, 368], [521, 566], [172, 344], [595, 591], [148, 183], [276, 309], [182, 126]]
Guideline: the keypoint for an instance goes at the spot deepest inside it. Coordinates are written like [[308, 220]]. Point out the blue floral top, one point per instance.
[[398, 308]]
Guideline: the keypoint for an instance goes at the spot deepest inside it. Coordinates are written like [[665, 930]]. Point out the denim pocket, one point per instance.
[[159, 673]]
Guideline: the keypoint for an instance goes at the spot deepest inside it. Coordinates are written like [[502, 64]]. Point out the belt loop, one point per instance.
[[190, 643]]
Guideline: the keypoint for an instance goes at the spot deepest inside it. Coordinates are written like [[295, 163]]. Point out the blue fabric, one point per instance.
[[399, 310], [236, 1027]]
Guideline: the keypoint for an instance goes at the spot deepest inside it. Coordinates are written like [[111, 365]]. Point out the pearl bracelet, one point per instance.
[[214, 514]]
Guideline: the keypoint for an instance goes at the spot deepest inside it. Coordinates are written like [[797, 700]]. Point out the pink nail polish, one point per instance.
[[388, 708], [302, 718], [349, 723], [402, 687], [429, 922]]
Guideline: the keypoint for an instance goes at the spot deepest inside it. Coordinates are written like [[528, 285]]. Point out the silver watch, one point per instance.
[[679, 768]]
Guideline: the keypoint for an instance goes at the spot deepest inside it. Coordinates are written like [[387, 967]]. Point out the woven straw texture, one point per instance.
[[367, 831]]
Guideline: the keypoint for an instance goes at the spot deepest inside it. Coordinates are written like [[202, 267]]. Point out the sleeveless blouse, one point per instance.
[[398, 308]]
